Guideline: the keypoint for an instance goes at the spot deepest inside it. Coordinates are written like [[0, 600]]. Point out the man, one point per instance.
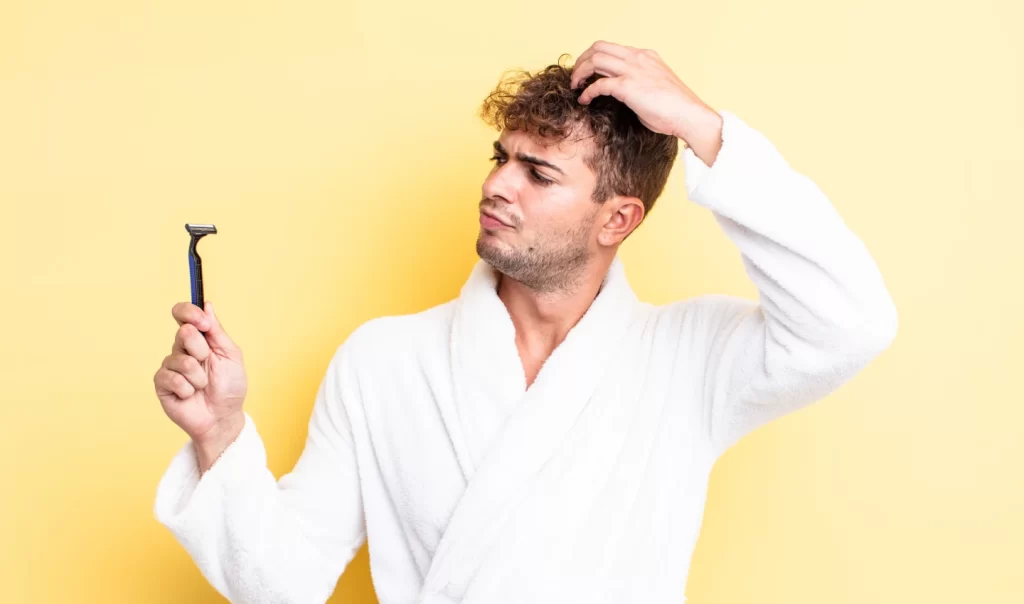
[[545, 436]]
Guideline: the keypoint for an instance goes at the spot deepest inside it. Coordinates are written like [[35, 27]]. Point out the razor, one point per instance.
[[195, 263]]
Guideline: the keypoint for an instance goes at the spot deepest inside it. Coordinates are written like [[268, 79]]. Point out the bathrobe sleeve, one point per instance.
[[823, 311], [257, 539]]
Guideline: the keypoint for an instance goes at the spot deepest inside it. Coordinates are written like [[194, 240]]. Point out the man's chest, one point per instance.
[[527, 456]]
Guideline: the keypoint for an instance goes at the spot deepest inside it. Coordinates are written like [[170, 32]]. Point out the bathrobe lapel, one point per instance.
[[486, 367]]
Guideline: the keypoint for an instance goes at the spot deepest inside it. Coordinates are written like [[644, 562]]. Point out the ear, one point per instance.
[[624, 214]]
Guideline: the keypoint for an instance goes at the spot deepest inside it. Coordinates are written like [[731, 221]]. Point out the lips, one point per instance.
[[495, 218]]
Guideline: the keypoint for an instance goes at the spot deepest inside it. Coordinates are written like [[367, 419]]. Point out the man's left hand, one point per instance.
[[643, 82]]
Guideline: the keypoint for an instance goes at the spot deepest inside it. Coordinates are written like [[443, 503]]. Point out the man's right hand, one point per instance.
[[201, 384]]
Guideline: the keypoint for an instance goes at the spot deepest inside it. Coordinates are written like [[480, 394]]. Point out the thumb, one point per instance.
[[216, 337]]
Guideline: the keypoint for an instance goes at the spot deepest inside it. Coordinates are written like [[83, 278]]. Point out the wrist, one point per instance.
[[212, 446], [701, 131], [699, 125]]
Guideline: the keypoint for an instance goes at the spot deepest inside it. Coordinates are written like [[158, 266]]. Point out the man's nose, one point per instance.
[[501, 184]]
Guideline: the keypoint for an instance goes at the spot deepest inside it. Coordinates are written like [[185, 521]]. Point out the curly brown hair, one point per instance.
[[629, 158]]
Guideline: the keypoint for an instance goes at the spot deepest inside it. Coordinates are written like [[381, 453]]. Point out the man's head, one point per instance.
[[570, 181]]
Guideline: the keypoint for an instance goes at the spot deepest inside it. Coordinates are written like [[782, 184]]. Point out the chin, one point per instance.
[[486, 231], [487, 249], [493, 238]]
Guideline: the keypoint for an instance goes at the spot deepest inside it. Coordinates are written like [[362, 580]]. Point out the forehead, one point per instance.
[[568, 154]]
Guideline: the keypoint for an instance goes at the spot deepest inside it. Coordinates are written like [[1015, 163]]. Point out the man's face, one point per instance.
[[542, 193]]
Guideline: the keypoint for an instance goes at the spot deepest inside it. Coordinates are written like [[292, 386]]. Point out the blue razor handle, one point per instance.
[[195, 263]]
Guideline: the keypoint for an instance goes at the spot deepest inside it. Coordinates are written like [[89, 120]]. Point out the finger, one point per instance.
[[189, 367], [593, 63], [616, 50], [599, 62], [608, 86], [188, 340], [619, 50], [186, 312], [216, 336], [172, 382]]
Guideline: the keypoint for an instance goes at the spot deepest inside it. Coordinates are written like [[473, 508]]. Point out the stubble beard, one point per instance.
[[556, 262]]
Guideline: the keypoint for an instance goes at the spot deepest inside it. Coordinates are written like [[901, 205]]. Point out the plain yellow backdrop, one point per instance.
[[335, 145]]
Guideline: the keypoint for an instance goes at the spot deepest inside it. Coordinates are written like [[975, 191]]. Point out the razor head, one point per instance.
[[198, 230]]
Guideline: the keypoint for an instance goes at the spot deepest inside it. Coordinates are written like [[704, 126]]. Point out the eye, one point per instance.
[[499, 160], [540, 179]]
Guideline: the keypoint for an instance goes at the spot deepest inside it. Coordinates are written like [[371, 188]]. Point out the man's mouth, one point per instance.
[[490, 221]]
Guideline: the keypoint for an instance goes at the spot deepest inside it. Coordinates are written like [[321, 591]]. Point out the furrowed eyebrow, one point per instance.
[[530, 159]]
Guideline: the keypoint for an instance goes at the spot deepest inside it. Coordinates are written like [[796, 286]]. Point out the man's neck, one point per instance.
[[543, 319]]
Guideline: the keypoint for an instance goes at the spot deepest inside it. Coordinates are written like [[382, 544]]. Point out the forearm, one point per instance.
[[823, 311], [250, 534], [257, 539], [813, 274]]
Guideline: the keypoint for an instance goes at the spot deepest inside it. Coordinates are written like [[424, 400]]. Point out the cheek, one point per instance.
[[543, 219], [559, 229], [555, 212], [556, 205]]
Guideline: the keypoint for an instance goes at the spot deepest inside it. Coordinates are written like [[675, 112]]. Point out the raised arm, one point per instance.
[[257, 539], [823, 311]]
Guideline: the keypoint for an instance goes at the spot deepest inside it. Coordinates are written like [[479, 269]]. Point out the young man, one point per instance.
[[545, 436]]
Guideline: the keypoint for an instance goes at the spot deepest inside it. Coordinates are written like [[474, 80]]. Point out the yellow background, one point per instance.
[[336, 148]]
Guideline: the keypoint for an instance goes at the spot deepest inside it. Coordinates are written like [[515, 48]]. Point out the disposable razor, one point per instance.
[[195, 263]]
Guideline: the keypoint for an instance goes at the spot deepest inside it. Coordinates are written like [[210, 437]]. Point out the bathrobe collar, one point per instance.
[[487, 370]]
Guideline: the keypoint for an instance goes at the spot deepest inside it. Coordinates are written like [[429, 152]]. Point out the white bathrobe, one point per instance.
[[587, 487]]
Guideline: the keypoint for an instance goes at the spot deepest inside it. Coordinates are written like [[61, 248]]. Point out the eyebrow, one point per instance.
[[530, 159]]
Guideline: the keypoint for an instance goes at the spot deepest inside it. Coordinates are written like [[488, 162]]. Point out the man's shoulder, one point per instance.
[[401, 335], [702, 310], [704, 301]]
